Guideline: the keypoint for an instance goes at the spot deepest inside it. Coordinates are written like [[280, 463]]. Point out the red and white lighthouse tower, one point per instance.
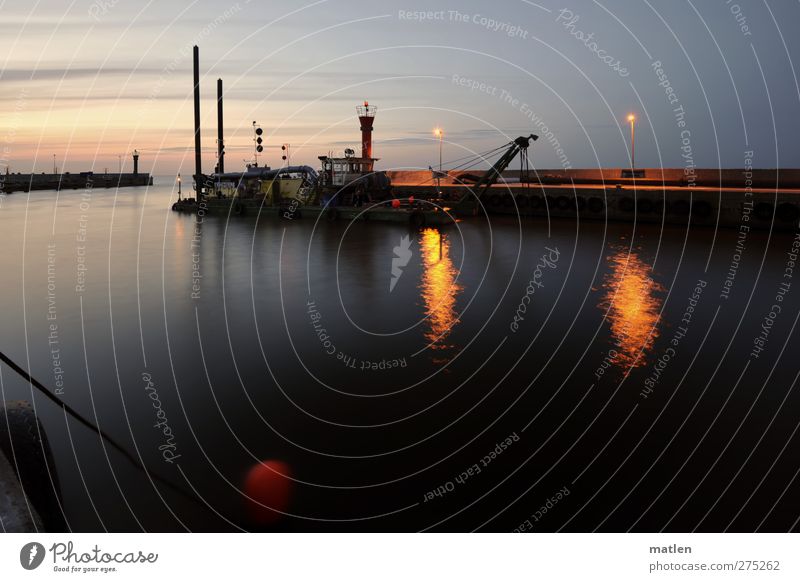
[[352, 171], [366, 115]]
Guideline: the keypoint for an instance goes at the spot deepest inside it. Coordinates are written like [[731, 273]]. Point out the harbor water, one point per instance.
[[497, 375]]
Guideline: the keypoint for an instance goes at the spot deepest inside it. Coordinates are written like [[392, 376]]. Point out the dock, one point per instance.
[[85, 180], [737, 198], [18, 182]]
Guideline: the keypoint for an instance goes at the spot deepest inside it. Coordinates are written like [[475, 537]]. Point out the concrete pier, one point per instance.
[[757, 199], [780, 178], [26, 182]]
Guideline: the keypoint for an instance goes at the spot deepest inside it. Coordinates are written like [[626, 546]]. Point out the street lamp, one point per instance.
[[440, 134], [632, 120]]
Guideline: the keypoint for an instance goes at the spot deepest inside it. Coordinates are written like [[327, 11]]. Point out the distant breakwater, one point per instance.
[[10, 183]]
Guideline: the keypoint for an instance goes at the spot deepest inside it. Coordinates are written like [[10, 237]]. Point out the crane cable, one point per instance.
[[483, 155], [471, 160], [88, 424]]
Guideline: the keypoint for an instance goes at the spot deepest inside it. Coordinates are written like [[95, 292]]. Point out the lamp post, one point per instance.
[[632, 120], [179, 187], [440, 134]]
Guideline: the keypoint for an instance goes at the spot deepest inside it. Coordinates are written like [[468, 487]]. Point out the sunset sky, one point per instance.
[[90, 81]]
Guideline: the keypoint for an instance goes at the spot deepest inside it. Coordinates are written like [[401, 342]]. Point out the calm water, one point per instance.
[[549, 376]]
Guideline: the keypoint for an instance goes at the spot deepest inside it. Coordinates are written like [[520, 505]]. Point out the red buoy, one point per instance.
[[395, 203], [268, 486]]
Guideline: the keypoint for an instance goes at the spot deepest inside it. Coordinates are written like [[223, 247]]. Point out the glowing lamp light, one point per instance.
[[268, 486], [632, 119]]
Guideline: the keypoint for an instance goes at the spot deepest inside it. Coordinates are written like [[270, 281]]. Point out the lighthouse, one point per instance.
[[366, 115], [355, 174]]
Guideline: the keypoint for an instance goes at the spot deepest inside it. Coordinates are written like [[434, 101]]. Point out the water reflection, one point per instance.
[[439, 288], [632, 308]]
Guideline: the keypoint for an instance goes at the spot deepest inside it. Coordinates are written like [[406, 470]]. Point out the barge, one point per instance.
[[346, 187]]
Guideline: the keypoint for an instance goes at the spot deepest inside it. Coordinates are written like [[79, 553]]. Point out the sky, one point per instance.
[[708, 81]]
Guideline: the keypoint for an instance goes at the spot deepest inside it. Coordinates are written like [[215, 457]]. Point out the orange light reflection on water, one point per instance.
[[439, 288], [632, 309]]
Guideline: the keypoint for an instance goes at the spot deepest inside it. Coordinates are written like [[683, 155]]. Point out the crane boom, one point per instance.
[[490, 178]]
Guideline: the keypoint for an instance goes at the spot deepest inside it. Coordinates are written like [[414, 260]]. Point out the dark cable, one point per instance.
[[476, 156], [471, 160], [77, 416]]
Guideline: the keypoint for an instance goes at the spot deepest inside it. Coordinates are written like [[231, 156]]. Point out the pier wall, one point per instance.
[[68, 181], [710, 177], [729, 198], [735, 208]]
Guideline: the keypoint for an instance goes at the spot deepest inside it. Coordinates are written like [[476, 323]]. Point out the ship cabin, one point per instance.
[[341, 172]]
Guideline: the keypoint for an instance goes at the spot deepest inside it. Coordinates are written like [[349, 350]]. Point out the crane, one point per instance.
[[485, 182]]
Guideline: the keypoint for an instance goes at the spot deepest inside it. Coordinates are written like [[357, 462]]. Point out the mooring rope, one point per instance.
[[88, 424]]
